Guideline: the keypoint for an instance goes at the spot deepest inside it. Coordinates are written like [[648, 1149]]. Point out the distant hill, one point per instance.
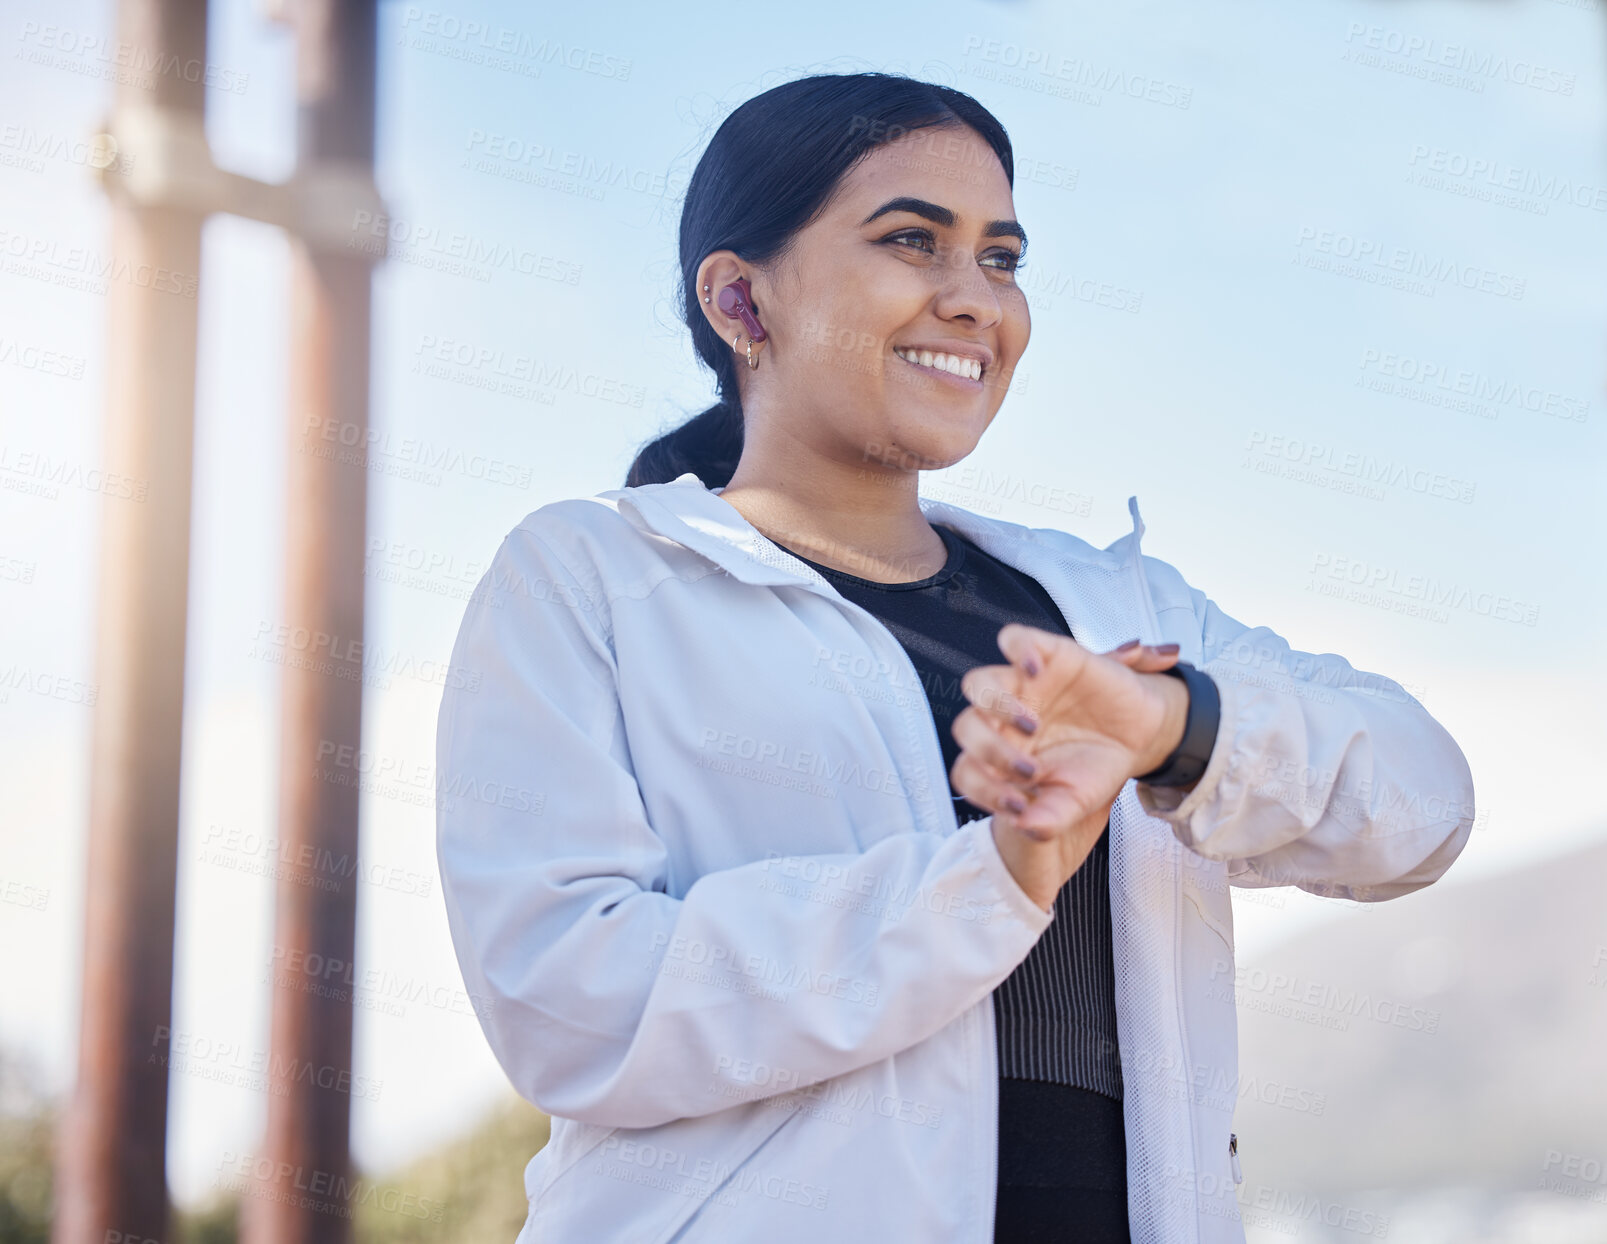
[[1456, 1037]]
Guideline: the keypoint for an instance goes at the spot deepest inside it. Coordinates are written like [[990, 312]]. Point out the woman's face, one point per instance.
[[912, 259]]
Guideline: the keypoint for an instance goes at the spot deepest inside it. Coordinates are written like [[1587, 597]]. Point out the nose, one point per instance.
[[964, 290]]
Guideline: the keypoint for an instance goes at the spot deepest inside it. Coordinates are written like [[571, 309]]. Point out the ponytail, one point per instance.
[[709, 445]]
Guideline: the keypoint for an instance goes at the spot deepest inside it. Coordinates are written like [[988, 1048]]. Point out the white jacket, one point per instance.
[[704, 878]]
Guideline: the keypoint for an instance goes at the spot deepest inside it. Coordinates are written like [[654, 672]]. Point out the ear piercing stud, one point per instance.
[[705, 293]]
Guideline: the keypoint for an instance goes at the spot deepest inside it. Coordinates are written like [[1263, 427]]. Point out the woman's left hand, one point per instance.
[[1084, 721]]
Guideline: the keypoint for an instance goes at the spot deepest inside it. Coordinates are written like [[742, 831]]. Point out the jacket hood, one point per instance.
[[689, 512]]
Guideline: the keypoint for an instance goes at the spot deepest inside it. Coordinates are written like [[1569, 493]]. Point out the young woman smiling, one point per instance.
[[803, 914]]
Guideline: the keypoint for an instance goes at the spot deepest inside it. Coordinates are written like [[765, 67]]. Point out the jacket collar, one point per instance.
[[690, 513]]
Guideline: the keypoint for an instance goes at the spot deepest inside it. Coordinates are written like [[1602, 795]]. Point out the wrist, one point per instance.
[[1174, 694], [1183, 767]]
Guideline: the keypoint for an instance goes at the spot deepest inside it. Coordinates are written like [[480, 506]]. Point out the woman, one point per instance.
[[804, 915]]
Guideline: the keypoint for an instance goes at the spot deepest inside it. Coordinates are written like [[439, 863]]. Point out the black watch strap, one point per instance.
[[1188, 759]]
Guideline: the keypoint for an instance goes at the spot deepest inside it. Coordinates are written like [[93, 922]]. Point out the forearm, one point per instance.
[[1323, 776]]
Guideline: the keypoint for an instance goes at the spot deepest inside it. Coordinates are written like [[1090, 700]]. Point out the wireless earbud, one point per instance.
[[736, 300]]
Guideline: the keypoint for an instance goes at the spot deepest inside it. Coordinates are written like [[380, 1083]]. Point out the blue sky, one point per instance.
[[1359, 247]]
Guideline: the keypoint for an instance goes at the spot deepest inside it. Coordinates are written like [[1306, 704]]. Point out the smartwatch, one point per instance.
[[1188, 759]]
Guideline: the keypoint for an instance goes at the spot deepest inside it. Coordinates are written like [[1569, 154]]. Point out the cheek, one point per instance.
[[1017, 327], [843, 339]]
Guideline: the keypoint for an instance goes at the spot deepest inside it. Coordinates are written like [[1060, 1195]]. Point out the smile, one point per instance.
[[949, 364]]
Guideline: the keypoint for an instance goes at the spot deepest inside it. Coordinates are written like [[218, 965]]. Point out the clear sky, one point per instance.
[[1219, 197]]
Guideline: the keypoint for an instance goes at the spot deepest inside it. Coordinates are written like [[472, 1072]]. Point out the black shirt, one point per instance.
[[1062, 1145]]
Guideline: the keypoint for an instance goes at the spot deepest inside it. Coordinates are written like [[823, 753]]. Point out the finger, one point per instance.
[[997, 691], [972, 778], [1054, 809], [1145, 658], [1031, 648], [982, 738]]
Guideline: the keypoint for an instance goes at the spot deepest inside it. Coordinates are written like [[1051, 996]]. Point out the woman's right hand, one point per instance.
[[1040, 858]]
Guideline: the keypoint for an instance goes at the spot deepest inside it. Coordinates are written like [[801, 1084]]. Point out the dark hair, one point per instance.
[[770, 167]]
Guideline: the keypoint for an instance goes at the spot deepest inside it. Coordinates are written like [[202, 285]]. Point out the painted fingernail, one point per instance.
[[1030, 663], [1127, 647], [1015, 803], [1166, 650], [1025, 767], [1025, 724]]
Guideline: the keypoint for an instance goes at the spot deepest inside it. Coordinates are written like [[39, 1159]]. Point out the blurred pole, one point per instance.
[[113, 1143], [306, 1147], [111, 1159]]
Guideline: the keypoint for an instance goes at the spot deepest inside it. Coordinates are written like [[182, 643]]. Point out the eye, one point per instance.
[[903, 237], [922, 239], [1012, 261]]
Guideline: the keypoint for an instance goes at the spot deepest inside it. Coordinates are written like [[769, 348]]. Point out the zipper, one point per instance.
[[1146, 601], [1136, 564], [1233, 1157]]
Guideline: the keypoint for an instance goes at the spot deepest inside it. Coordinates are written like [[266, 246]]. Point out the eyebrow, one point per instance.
[[943, 216]]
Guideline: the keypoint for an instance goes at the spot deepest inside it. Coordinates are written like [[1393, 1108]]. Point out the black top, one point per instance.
[[1060, 1117]]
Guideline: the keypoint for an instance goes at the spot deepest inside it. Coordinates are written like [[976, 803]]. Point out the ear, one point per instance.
[[719, 269]]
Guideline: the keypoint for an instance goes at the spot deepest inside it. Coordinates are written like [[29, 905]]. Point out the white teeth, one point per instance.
[[951, 363]]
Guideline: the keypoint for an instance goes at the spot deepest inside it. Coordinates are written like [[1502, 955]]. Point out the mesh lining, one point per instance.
[[1145, 893]]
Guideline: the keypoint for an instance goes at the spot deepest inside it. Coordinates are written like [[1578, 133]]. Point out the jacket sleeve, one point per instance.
[[1323, 776], [606, 998]]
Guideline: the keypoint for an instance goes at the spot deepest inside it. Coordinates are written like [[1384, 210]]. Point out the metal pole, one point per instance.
[[309, 1108], [111, 1159]]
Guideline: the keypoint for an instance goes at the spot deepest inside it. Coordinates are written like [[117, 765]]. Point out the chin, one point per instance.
[[927, 454]]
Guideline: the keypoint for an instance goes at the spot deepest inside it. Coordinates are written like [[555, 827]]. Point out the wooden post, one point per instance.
[[303, 1192], [111, 1159]]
